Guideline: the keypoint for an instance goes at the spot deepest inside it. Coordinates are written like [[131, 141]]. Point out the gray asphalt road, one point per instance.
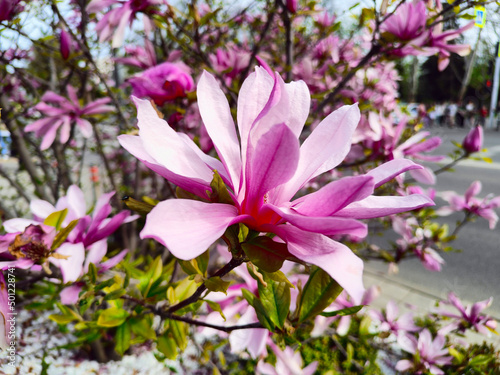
[[474, 273]]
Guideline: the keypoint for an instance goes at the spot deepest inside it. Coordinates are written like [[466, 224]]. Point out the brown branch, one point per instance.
[[235, 262]]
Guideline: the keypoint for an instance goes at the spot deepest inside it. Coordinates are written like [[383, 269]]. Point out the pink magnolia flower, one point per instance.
[[429, 354], [468, 316], [388, 320], [141, 57], [407, 22], [263, 174], [288, 362], [165, 82], [439, 42], [90, 229], [112, 25], [64, 113], [473, 141], [472, 205], [416, 239]]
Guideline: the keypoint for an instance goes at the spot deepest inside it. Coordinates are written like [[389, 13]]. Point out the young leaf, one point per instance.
[[261, 312], [346, 311], [112, 317], [216, 284], [137, 206], [166, 345], [123, 338], [216, 307], [219, 190], [275, 298], [55, 219], [63, 234], [265, 253], [318, 293]]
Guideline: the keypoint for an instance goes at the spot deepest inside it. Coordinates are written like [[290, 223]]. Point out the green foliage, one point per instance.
[[318, 293]]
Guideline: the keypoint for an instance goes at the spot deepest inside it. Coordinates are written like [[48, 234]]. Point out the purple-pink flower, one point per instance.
[[470, 204], [27, 243], [61, 114], [165, 82], [428, 354], [407, 22], [468, 316], [288, 362], [389, 320], [263, 169], [112, 25]]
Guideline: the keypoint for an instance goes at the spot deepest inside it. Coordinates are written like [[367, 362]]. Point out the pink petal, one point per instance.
[[325, 148], [135, 146], [70, 294], [216, 115], [111, 262], [328, 226], [76, 203], [95, 254], [273, 162], [72, 267], [391, 169], [252, 98], [424, 176], [166, 146], [18, 224], [333, 257], [375, 206], [187, 227], [41, 209], [253, 340], [85, 127], [335, 196]]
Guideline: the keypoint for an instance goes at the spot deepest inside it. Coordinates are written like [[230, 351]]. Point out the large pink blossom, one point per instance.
[[263, 173], [61, 114], [164, 82], [8, 9]]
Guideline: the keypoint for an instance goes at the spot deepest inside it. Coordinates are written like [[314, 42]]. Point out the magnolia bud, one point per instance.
[[65, 44], [473, 142], [291, 5]]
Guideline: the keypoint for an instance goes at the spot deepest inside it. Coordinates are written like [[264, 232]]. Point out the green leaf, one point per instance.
[[275, 299], [346, 311], [143, 326], [480, 360], [104, 284], [152, 274], [55, 219], [197, 266], [115, 294], [265, 253], [123, 338], [318, 293], [179, 333], [137, 206], [92, 273], [219, 190], [63, 234], [253, 301], [112, 317], [166, 345], [364, 326], [455, 353], [62, 319], [216, 307], [243, 233], [216, 284]]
